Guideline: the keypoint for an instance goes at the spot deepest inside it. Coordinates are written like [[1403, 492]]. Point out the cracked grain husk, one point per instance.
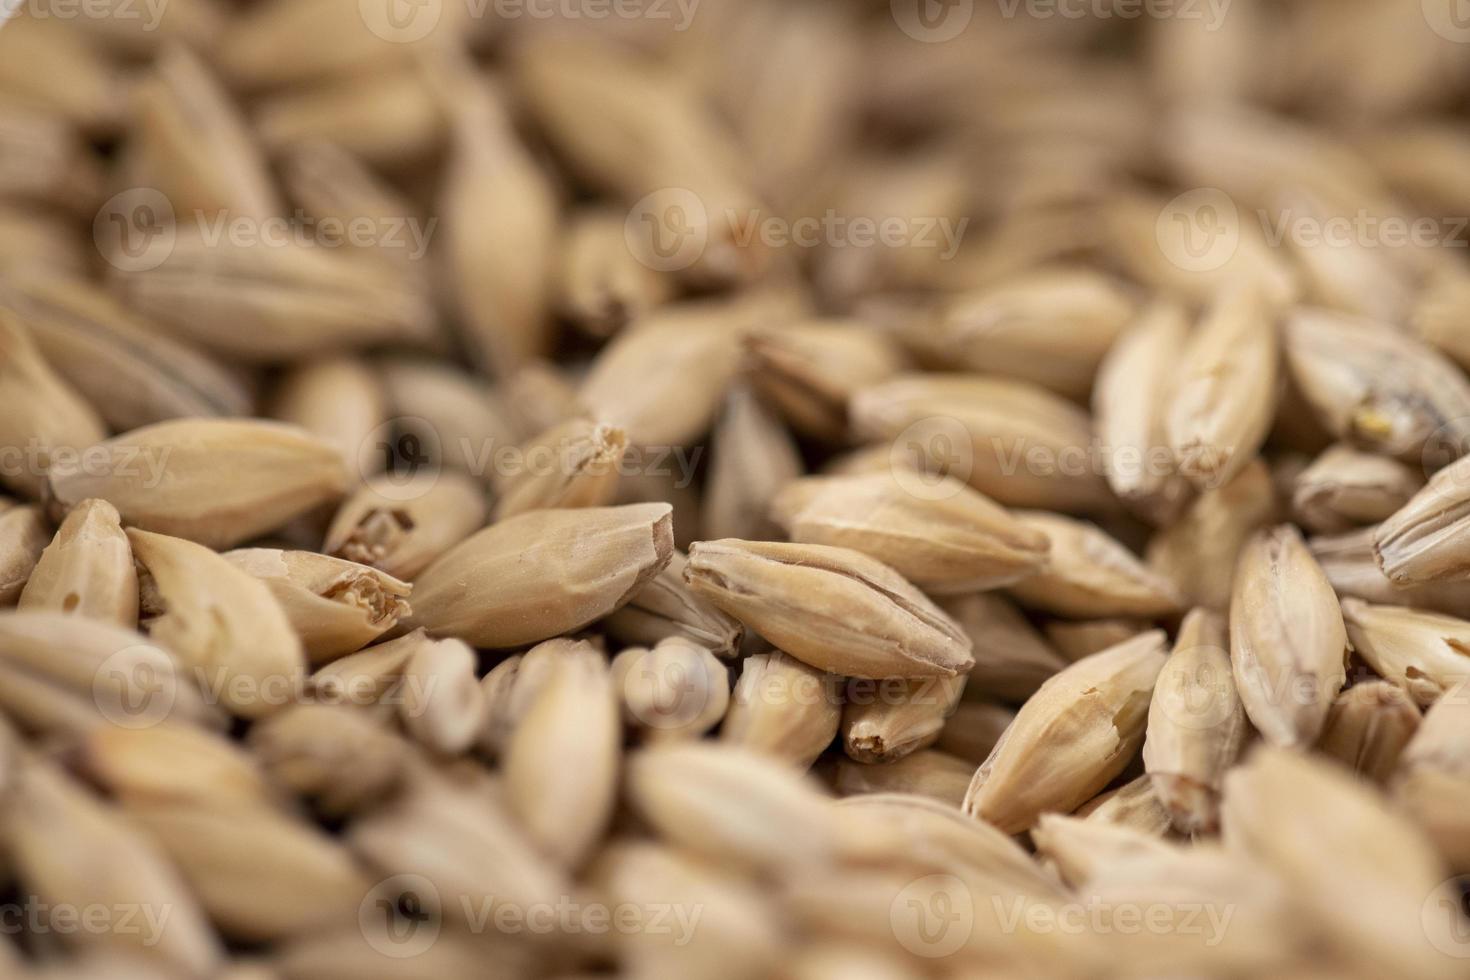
[[214, 481], [1068, 741], [401, 537], [783, 708], [834, 608], [1368, 727], [573, 464], [1425, 653], [335, 606], [1288, 644], [542, 574], [221, 622], [1423, 541], [1091, 575], [87, 569], [1351, 566], [884, 722], [1196, 724], [956, 541]]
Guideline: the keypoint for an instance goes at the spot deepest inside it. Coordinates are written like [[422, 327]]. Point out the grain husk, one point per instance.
[[783, 708], [667, 607], [954, 541], [214, 481], [401, 534], [1196, 724], [676, 690], [1368, 727], [1288, 644], [87, 569], [1091, 575], [1012, 659], [1080, 729], [834, 608], [221, 622], [573, 464], [542, 574]]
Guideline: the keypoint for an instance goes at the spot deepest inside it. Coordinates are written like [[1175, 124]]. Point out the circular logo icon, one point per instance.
[[136, 686], [1199, 230], [135, 230], [668, 229], [400, 916], [1444, 445], [932, 459], [1197, 692], [1450, 19], [666, 692], [933, 916], [401, 21], [1445, 916], [932, 21], [402, 457]]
